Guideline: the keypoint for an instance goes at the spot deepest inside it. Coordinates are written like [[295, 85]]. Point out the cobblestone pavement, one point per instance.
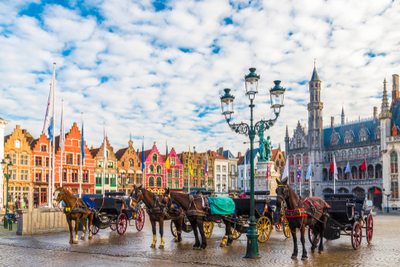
[[107, 248]]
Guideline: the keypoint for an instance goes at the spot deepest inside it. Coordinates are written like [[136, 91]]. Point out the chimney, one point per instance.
[[375, 113], [332, 121], [91, 148], [239, 154], [220, 150], [194, 149], [395, 89], [24, 131]]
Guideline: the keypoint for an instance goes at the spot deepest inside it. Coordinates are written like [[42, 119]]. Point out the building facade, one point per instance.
[[232, 169], [221, 171], [155, 172], [105, 177], [244, 169], [175, 176], [348, 142], [129, 168]]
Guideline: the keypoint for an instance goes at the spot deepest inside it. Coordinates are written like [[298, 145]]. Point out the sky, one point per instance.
[[158, 68]]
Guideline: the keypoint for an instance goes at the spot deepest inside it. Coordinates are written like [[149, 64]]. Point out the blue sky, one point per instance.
[[157, 68]]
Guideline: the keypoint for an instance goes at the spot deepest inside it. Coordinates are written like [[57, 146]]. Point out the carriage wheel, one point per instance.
[[173, 229], [286, 229], [208, 228], [235, 234], [370, 228], [140, 220], [95, 229], [264, 228], [113, 225], [356, 235], [312, 235], [122, 223]]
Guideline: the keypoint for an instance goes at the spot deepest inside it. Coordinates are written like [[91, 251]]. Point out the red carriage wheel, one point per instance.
[[369, 228], [113, 225], [312, 236], [122, 223], [356, 235], [95, 229], [140, 218]]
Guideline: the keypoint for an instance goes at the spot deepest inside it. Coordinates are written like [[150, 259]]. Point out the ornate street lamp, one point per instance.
[[277, 97], [7, 166]]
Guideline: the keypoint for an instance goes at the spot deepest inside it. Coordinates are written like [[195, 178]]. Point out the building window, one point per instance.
[[195, 172], [393, 162], [395, 189], [122, 164], [202, 172], [99, 179], [218, 168], [186, 171], [75, 176], [78, 159], [64, 175], [38, 177], [85, 176], [169, 182], [358, 153], [130, 178], [170, 173], [151, 181], [306, 159], [186, 183], [138, 178], [173, 161], [291, 160], [347, 140], [292, 177], [224, 168], [69, 159], [158, 169], [43, 148], [107, 178], [366, 153], [154, 158], [344, 155], [176, 184], [38, 161], [110, 165], [113, 180], [151, 169], [298, 159], [176, 173], [47, 162], [130, 162]]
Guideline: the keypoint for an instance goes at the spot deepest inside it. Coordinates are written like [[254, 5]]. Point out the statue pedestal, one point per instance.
[[260, 182]]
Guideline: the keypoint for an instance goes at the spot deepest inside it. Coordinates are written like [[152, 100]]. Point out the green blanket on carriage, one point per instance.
[[221, 205]]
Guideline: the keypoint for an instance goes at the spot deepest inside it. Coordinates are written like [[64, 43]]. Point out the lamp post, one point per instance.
[[387, 202], [7, 166], [277, 97]]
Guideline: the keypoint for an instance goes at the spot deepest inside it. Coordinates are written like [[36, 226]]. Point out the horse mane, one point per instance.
[[291, 194]]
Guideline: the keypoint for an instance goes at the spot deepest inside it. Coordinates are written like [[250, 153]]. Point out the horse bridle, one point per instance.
[[137, 197], [167, 203], [283, 196]]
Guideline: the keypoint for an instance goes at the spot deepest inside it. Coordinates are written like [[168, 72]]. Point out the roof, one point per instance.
[[396, 115], [217, 156], [315, 75], [247, 154], [146, 154], [121, 152], [274, 152], [94, 151], [228, 155], [370, 125], [241, 158], [33, 143]]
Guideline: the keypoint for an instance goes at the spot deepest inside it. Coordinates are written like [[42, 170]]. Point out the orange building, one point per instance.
[[71, 163], [40, 168]]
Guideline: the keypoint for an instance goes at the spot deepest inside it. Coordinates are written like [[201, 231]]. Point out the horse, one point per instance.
[[157, 213], [197, 216], [300, 213], [71, 202]]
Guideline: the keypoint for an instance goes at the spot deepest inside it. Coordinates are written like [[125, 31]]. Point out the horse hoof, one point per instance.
[[82, 238], [161, 246], [304, 258], [75, 242], [313, 250], [71, 241], [195, 248], [321, 252], [152, 246], [201, 248], [294, 257]]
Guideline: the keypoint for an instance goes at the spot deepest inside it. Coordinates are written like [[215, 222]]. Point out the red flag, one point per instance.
[[332, 167], [376, 191], [364, 165]]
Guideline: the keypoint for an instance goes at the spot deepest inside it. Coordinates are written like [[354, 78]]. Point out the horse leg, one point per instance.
[[76, 230], [200, 224], [228, 232], [294, 255], [83, 228], [161, 226], [321, 237], [314, 241], [178, 225], [90, 224], [194, 227], [71, 239], [303, 240], [153, 227]]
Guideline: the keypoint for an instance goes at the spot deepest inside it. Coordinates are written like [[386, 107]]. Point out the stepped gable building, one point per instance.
[[198, 180], [129, 168], [155, 172], [71, 159], [110, 178], [232, 170], [16, 145], [348, 142], [278, 157], [40, 168], [175, 177]]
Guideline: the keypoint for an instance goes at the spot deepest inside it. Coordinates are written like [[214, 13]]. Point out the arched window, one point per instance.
[[298, 159], [378, 171], [343, 155], [393, 162], [325, 174], [151, 169], [159, 169], [370, 172], [299, 143], [340, 174], [329, 157], [361, 173], [366, 152], [305, 159], [155, 157], [291, 160], [151, 181], [130, 162], [354, 173], [358, 153], [158, 181], [351, 154]]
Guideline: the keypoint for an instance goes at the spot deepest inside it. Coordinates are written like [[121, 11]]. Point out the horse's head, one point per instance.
[[136, 195], [166, 199], [58, 196], [282, 191]]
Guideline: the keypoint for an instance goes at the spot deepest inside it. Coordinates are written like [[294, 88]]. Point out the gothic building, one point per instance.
[[347, 142]]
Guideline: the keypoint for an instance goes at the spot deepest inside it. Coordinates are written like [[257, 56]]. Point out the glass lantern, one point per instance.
[[227, 104], [277, 97], [251, 83]]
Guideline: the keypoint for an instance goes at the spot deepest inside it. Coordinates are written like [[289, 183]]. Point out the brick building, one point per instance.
[[175, 177], [155, 172]]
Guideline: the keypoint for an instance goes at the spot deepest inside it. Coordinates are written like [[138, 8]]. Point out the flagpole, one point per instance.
[[82, 145], [207, 171], [190, 163], [334, 178], [49, 176], [61, 133], [54, 126], [104, 161], [310, 182]]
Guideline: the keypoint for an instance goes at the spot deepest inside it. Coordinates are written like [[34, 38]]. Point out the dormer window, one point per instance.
[[347, 140], [17, 144]]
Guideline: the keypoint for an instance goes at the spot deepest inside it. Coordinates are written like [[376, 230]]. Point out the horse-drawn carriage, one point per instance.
[[347, 216], [115, 211]]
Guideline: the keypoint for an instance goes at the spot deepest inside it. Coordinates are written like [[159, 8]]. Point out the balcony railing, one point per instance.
[[353, 182]]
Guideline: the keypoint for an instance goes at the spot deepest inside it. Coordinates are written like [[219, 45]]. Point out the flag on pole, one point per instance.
[[190, 163], [333, 168], [376, 191], [364, 165], [268, 170], [308, 175], [347, 170], [82, 145], [167, 164], [49, 110], [285, 171], [299, 173], [143, 165], [206, 168], [105, 145], [50, 130]]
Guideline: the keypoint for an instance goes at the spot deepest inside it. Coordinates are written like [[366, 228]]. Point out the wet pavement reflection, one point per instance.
[[133, 249]]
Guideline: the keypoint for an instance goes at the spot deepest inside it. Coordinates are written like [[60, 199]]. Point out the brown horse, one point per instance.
[[313, 217], [71, 202], [196, 215], [157, 213]]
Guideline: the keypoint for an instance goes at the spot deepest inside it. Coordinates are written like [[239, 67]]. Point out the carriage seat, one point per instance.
[[318, 203]]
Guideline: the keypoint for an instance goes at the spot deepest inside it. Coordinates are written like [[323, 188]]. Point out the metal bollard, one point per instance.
[[5, 222], [9, 224]]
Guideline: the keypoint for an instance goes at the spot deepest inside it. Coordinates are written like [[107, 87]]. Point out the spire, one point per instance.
[[342, 121], [315, 74], [385, 101], [130, 140], [287, 131]]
